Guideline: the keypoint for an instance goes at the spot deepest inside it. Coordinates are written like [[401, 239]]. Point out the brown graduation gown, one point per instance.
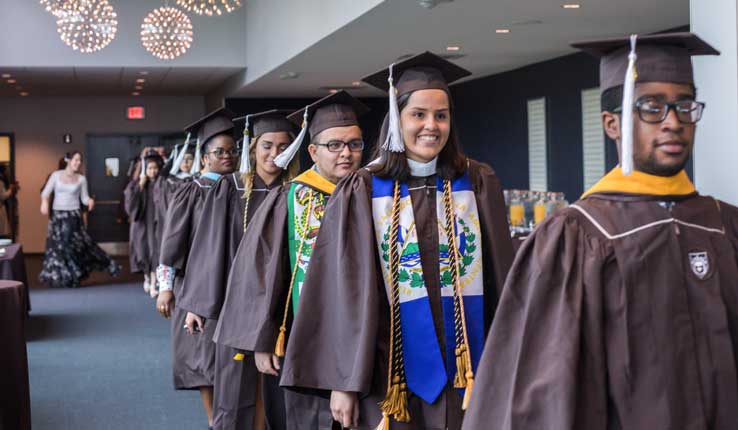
[[193, 357], [255, 304], [142, 239], [165, 187], [216, 240], [346, 331], [619, 313]]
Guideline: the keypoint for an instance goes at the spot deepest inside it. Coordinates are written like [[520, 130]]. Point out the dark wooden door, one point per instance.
[[108, 222]]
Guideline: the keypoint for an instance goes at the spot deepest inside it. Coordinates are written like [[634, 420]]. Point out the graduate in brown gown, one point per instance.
[[621, 312], [274, 255], [174, 173], [426, 224], [141, 210], [193, 357], [227, 210]]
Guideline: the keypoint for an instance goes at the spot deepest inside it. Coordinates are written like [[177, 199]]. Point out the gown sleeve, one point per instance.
[[497, 249], [259, 280], [209, 258], [544, 365], [178, 226], [333, 344], [135, 201]]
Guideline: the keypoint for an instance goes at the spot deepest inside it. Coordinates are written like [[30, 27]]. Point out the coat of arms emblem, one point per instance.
[[700, 264]]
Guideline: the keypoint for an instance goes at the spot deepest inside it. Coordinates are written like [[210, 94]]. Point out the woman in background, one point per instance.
[[70, 252]]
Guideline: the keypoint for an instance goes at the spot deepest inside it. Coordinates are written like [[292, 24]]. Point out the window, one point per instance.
[[593, 138], [537, 160]]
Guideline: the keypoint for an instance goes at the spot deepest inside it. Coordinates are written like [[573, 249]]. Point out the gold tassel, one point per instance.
[[468, 392], [462, 367], [279, 348], [395, 402], [385, 423]]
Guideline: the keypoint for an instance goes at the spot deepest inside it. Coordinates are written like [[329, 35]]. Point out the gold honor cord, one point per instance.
[[464, 374], [279, 348], [247, 196], [395, 400]]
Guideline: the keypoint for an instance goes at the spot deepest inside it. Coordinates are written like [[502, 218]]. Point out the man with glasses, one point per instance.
[[270, 265], [621, 312]]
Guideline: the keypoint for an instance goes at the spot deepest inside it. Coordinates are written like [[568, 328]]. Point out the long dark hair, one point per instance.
[[451, 159]]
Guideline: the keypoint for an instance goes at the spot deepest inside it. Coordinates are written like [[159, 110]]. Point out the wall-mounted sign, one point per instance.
[[67, 138], [136, 112]]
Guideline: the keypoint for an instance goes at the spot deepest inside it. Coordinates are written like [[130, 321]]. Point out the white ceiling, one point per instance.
[[114, 81], [540, 30]]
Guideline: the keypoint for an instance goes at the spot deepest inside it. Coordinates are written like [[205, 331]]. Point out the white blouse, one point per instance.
[[66, 196]]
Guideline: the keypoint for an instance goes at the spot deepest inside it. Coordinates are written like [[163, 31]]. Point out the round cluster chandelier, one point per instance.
[[54, 7], [85, 25], [209, 7], [166, 33]]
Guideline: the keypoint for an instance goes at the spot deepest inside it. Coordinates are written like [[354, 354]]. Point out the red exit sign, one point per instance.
[[136, 112]]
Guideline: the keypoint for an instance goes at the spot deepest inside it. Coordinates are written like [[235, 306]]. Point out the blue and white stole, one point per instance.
[[425, 372]]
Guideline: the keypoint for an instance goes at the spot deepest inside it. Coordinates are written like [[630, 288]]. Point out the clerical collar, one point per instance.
[[643, 183], [422, 170], [212, 176]]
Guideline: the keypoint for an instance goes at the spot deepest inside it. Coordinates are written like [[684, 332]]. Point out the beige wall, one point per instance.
[[39, 124]]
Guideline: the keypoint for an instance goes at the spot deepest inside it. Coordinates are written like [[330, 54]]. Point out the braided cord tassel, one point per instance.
[[395, 400], [464, 374], [280, 348], [247, 196]]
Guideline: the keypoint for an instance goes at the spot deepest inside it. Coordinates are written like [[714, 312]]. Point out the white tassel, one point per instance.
[[180, 156], [142, 172], [245, 152], [394, 142], [196, 166], [626, 143], [285, 158]]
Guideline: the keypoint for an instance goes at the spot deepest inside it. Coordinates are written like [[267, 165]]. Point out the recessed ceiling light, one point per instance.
[[453, 48], [6, 75], [333, 91], [289, 75], [12, 81], [143, 73], [502, 31], [24, 94], [135, 93], [571, 6], [356, 83], [140, 80], [138, 87]]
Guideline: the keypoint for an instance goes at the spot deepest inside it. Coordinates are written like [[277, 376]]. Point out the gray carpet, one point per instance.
[[99, 358]]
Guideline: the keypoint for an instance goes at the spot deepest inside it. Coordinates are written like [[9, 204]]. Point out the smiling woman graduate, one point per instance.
[[406, 271]]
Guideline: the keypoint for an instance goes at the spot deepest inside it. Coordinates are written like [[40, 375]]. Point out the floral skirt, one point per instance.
[[70, 252]]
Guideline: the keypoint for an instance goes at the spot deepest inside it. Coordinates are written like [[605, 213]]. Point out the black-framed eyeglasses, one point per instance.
[[654, 111], [338, 145], [220, 152]]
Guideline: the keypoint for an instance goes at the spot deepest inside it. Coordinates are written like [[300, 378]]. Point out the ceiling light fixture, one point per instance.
[[333, 91], [209, 7], [453, 48], [138, 88], [430, 4], [6, 75], [166, 33], [140, 80], [143, 73], [54, 7], [135, 93], [502, 31], [289, 75], [356, 83], [12, 81], [571, 6], [24, 94], [87, 25]]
